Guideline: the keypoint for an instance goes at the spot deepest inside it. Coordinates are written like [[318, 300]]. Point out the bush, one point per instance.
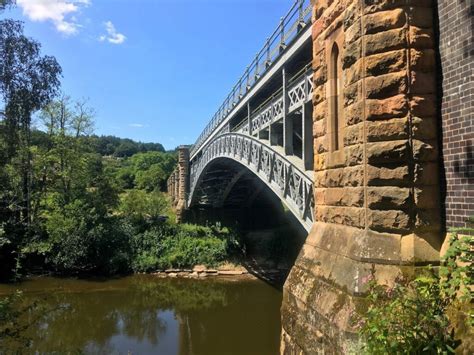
[[412, 317], [182, 246]]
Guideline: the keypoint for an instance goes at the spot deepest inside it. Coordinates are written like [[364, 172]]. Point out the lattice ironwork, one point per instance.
[[288, 182], [297, 18]]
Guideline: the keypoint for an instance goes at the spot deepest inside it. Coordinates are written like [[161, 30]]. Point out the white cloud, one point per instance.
[[57, 11], [112, 35], [137, 125]]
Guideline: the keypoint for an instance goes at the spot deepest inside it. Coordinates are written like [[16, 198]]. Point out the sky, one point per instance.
[[153, 70]]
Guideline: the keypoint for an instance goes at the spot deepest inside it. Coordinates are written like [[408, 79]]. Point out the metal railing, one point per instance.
[[286, 32]]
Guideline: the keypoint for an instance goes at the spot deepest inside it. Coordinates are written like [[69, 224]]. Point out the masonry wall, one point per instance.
[[456, 49], [376, 191]]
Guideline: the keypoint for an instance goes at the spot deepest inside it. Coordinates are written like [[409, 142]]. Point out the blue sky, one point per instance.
[[154, 70]]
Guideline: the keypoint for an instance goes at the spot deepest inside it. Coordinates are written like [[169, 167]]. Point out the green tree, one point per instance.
[[28, 81]]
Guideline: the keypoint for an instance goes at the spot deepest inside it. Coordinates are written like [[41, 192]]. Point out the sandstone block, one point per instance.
[[384, 20], [354, 113], [386, 85], [319, 111], [354, 155], [351, 54], [387, 152], [319, 59], [319, 162], [388, 197], [423, 60], [352, 93], [423, 105], [381, 176], [348, 196], [318, 95], [319, 128], [427, 197], [349, 216], [348, 176], [421, 17], [353, 134], [421, 38], [381, 5], [385, 63], [424, 128], [354, 73], [426, 174], [424, 151], [386, 41], [390, 221], [395, 106], [320, 145], [423, 83], [393, 129], [320, 76], [353, 33]]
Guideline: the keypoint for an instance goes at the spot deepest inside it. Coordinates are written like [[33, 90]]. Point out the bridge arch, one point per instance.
[[283, 177]]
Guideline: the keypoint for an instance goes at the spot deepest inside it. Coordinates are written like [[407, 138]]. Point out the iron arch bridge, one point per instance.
[[293, 186], [265, 124]]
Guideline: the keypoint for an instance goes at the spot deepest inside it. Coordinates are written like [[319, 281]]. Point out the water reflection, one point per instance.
[[144, 315]]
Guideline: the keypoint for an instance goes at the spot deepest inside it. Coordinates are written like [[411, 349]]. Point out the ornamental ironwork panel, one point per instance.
[[288, 182]]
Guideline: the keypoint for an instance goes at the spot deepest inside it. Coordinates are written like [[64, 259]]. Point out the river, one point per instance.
[[143, 314]]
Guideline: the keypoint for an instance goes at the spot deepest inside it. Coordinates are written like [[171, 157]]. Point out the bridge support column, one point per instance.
[[376, 189], [183, 181]]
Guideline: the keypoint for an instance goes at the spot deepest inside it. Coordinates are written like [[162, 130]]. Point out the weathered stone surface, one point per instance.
[[347, 176], [354, 155], [352, 93], [386, 41], [318, 95], [382, 176], [380, 5], [422, 83], [391, 220], [320, 76], [354, 73], [421, 17], [384, 20], [423, 105], [424, 151], [387, 152], [426, 174], [348, 196], [352, 53], [383, 86], [427, 197], [393, 129], [320, 145], [319, 111], [421, 38], [353, 33], [424, 128], [349, 216], [388, 197], [353, 134], [422, 60], [319, 128], [354, 114], [384, 63], [395, 106]]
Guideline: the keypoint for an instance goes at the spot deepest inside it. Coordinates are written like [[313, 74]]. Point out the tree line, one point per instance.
[[74, 202]]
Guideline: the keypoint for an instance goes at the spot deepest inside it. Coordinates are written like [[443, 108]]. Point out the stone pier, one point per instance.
[[178, 182], [375, 163]]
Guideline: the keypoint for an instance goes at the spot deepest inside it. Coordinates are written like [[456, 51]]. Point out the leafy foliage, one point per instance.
[[412, 316], [182, 246]]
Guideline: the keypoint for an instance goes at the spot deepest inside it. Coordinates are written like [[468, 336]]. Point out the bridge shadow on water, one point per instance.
[[271, 236]]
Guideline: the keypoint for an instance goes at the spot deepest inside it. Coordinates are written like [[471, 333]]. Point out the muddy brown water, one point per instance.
[[142, 314]]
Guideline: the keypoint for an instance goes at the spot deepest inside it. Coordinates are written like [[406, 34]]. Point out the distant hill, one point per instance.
[[108, 145]]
